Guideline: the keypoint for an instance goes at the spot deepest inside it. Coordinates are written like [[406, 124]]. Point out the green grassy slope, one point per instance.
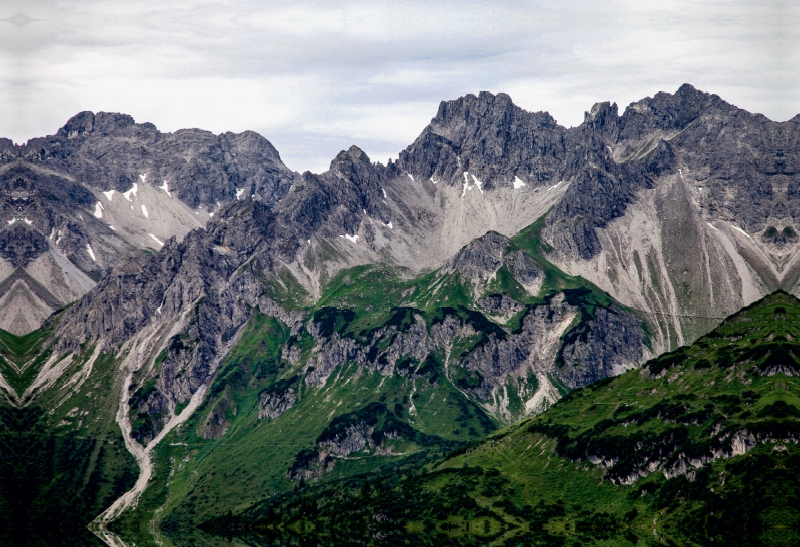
[[63, 458], [699, 447], [226, 457]]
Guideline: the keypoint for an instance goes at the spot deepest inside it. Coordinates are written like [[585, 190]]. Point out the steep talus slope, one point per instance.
[[699, 447], [714, 230], [75, 203]]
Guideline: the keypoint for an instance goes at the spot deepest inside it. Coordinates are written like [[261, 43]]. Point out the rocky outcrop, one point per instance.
[[110, 151], [372, 429], [277, 399], [557, 340], [501, 306], [478, 263], [217, 421]]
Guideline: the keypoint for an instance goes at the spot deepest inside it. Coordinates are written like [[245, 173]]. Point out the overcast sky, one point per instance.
[[316, 77]]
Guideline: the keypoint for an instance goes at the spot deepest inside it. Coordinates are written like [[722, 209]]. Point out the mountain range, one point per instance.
[[195, 327]]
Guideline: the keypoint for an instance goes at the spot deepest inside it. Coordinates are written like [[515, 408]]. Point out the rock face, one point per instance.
[[559, 344], [75, 203], [110, 151], [277, 399], [697, 229], [480, 261]]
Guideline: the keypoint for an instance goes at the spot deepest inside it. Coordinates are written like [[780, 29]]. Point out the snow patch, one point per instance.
[[710, 225], [109, 194], [110, 226], [12, 221], [390, 224], [411, 177], [144, 211], [555, 186], [91, 252], [745, 233], [143, 177], [384, 193], [353, 238], [157, 241], [239, 192], [518, 183], [98, 210], [165, 187], [466, 184], [434, 181], [478, 183], [30, 222], [131, 192]]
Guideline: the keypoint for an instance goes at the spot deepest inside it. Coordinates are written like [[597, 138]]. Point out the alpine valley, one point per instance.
[[514, 334]]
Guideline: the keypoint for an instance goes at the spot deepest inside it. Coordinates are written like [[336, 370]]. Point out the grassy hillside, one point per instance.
[[63, 458], [699, 447], [230, 455], [266, 427]]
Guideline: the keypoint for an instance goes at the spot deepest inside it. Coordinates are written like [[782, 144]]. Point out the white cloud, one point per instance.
[[316, 77]]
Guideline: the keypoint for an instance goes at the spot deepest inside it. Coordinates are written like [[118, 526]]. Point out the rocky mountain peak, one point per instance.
[[602, 118], [87, 122], [489, 137], [73, 204], [481, 256], [110, 151], [349, 160], [479, 261]]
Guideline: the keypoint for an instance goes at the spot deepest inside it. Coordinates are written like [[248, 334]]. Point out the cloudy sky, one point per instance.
[[316, 77]]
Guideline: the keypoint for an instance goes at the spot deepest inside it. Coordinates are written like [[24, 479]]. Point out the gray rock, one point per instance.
[[109, 151]]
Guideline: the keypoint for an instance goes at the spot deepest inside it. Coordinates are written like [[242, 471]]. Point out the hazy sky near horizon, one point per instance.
[[316, 77]]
